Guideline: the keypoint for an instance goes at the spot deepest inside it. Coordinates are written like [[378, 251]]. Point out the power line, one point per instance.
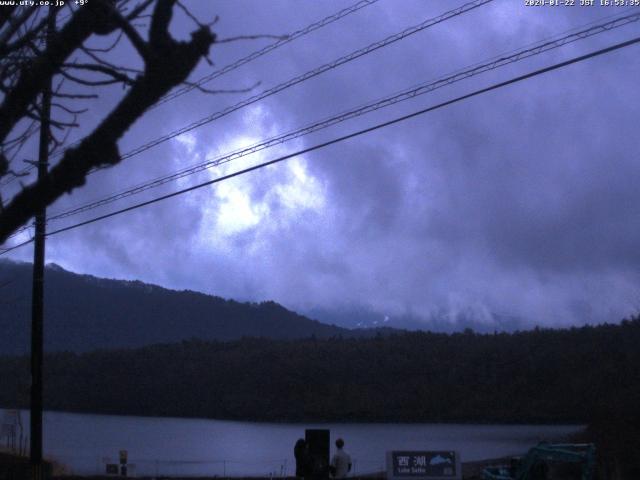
[[367, 108], [7, 250], [308, 75], [305, 76], [346, 137], [258, 53], [244, 60]]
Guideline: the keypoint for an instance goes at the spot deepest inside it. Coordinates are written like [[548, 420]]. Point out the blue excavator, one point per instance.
[[548, 461]]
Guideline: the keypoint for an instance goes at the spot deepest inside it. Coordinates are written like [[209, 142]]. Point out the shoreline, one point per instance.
[[479, 422], [14, 466]]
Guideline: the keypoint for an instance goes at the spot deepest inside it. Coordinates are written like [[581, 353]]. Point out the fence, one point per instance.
[[146, 467]]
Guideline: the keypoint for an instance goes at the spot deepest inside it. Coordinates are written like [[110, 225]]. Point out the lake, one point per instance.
[[85, 443]]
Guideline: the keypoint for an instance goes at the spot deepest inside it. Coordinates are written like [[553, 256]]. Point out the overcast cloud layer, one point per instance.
[[521, 202]]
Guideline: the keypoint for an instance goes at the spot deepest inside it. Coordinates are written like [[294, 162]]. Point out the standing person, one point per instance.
[[303, 459], [341, 461]]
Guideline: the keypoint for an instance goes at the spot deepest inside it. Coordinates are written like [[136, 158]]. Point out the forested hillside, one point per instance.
[[571, 375], [83, 313]]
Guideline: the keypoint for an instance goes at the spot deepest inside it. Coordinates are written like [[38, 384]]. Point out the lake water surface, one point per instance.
[[175, 446]]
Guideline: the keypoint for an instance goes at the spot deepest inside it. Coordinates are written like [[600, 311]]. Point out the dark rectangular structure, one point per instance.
[[318, 441]]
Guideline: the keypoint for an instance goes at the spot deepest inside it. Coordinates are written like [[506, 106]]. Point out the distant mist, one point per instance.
[[442, 321]]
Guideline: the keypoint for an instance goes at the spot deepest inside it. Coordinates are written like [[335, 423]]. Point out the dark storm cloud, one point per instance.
[[560, 198], [519, 202]]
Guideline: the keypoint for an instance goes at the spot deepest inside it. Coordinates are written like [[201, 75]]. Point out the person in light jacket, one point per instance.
[[341, 461]]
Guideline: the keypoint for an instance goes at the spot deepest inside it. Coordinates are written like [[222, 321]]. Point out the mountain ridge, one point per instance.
[[84, 312]]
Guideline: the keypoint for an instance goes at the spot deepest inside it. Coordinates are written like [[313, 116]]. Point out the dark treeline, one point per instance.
[[85, 313], [573, 375]]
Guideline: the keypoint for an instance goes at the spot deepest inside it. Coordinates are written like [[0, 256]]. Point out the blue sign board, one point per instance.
[[427, 465]]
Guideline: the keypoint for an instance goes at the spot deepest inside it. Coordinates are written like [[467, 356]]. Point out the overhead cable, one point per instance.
[[310, 74], [305, 76], [263, 51], [319, 146], [362, 110], [246, 59]]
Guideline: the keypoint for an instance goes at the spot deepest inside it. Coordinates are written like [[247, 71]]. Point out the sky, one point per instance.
[[519, 203]]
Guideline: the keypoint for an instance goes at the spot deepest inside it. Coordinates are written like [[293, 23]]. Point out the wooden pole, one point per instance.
[[37, 299]]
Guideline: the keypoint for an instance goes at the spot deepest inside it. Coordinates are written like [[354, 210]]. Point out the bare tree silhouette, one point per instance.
[[28, 64]]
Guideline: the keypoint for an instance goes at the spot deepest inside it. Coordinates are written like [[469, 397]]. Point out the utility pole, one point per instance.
[[37, 299]]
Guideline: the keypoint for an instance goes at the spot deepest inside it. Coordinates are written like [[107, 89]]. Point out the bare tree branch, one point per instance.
[[168, 64], [132, 34], [107, 64], [135, 13], [86, 21], [17, 174], [251, 37], [5, 14], [116, 78], [105, 49], [76, 96], [69, 110], [14, 24], [29, 36]]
